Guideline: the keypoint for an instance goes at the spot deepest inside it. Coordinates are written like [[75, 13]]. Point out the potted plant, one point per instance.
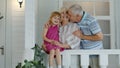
[[38, 59]]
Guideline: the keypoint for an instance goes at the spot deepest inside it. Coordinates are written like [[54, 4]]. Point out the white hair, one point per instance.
[[76, 9]]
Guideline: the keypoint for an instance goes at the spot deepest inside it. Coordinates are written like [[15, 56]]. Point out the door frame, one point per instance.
[[8, 36]]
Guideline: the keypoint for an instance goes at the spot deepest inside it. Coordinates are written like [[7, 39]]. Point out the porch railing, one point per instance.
[[103, 57], [84, 56]]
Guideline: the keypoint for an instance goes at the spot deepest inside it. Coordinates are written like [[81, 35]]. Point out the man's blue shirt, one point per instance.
[[89, 26]]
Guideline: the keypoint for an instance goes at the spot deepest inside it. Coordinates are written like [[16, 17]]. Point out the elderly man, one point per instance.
[[90, 31]]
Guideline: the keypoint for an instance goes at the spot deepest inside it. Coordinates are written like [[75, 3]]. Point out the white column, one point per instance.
[[103, 60], [66, 60], [29, 29], [84, 61]]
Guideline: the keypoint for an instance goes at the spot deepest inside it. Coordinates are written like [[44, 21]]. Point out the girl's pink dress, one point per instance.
[[53, 34]]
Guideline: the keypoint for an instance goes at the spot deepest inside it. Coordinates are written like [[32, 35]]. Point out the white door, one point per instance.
[[2, 32]]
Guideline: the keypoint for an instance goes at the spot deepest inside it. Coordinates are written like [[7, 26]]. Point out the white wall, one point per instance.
[[18, 32], [23, 30], [36, 20], [45, 8]]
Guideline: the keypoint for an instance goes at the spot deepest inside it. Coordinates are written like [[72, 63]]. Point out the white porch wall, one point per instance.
[[23, 30], [18, 32], [36, 20], [45, 7]]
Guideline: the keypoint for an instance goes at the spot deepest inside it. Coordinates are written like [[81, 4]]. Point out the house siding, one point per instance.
[[18, 32]]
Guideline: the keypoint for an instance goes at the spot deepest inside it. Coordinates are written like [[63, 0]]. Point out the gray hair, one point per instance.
[[76, 9]]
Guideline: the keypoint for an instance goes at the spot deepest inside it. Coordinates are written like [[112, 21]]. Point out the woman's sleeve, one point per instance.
[[75, 27], [73, 41]]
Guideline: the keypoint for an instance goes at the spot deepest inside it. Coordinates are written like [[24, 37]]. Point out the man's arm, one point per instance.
[[95, 37]]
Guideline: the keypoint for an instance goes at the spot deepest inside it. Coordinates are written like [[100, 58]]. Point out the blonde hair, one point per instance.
[[64, 13], [55, 13], [63, 9]]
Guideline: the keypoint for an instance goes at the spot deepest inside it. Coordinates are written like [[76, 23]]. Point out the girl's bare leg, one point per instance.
[[58, 57], [51, 58]]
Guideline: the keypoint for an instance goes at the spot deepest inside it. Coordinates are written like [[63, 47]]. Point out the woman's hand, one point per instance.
[[57, 43], [47, 25], [79, 34], [52, 42]]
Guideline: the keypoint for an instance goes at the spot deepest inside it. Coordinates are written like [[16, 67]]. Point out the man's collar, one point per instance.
[[83, 17]]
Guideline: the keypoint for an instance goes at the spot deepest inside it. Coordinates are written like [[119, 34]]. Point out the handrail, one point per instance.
[[93, 52]]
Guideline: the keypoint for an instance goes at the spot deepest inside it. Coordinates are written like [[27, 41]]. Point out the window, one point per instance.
[[102, 10]]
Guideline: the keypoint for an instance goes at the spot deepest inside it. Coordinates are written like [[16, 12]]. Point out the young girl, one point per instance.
[[50, 36]]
